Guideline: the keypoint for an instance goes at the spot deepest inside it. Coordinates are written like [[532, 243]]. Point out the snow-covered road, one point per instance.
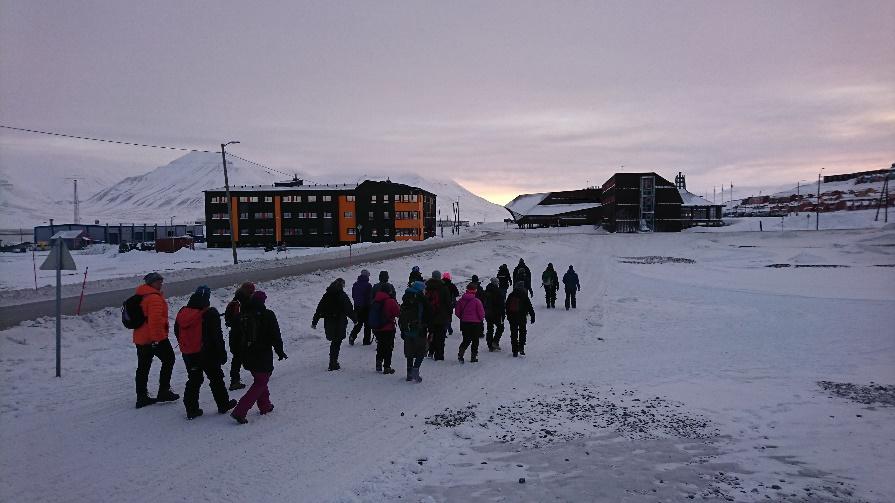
[[670, 380]]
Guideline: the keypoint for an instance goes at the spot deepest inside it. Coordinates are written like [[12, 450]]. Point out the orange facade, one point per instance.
[[278, 218], [234, 218], [409, 223], [347, 207]]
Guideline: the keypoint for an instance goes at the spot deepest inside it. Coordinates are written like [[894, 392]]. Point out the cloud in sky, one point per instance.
[[505, 97]]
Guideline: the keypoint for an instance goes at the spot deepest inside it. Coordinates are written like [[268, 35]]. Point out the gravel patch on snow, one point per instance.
[[867, 395], [653, 259]]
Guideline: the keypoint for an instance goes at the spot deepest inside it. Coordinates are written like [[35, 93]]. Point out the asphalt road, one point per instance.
[[15, 314]]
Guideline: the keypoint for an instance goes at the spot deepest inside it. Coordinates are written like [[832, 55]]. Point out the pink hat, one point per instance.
[[446, 275]]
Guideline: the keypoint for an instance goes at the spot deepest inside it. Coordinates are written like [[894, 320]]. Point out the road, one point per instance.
[[15, 314]]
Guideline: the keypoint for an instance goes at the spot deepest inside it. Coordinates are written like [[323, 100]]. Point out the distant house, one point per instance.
[[74, 240], [121, 233], [557, 209]]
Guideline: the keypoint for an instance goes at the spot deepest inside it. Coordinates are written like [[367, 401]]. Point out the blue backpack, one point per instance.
[[376, 318]]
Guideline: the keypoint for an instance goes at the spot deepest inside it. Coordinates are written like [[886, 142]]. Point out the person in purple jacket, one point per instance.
[[362, 294], [472, 315]]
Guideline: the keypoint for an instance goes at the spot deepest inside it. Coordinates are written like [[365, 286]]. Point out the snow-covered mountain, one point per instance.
[[171, 190]]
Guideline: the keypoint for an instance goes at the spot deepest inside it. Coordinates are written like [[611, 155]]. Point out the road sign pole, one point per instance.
[[59, 307]]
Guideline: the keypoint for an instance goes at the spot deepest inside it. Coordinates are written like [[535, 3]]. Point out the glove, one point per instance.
[[532, 320], [282, 356], [314, 326]]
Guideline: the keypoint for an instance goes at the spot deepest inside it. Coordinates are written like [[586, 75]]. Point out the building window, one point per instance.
[[243, 232], [386, 215], [350, 199], [264, 232], [287, 215], [312, 214], [253, 199], [386, 232], [287, 199], [263, 215], [312, 199], [327, 199], [296, 199], [370, 215], [243, 216], [373, 198], [413, 198], [351, 231], [312, 231], [385, 198], [327, 214], [374, 233], [349, 214], [243, 199], [268, 199]]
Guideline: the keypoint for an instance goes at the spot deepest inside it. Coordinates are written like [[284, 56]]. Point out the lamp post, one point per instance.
[[817, 206], [798, 195], [229, 204]]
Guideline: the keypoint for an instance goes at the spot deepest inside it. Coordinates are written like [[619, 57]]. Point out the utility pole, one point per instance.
[[77, 204], [884, 197], [817, 206], [229, 204]]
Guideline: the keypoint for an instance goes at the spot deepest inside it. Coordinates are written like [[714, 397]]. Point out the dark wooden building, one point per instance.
[[641, 202], [320, 215]]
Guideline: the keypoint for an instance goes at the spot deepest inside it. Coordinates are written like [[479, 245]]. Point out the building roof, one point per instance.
[[273, 188], [68, 234], [529, 205], [691, 199]]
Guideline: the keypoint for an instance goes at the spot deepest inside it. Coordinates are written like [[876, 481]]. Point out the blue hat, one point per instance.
[[204, 292], [418, 286]]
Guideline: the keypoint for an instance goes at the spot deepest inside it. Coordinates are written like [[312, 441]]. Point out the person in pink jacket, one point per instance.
[[472, 316], [383, 312]]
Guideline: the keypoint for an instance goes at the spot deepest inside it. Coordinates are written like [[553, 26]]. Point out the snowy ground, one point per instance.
[[858, 219], [731, 377]]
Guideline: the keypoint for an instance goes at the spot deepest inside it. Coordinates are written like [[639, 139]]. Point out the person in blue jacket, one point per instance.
[[570, 280]]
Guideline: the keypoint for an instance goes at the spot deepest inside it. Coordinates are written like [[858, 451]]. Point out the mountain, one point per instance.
[[171, 190]]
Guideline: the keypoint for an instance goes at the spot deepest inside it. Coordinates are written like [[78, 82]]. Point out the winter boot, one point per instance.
[[351, 339], [474, 359], [378, 366], [416, 375], [460, 359], [267, 410], [167, 396], [144, 400], [522, 349], [240, 420], [223, 410], [193, 414], [388, 370], [333, 366], [409, 374], [236, 385]]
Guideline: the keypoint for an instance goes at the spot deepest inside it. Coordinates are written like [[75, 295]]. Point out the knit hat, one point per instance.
[[416, 268], [436, 274], [446, 275], [259, 297], [494, 281], [204, 292], [472, 286], [338, 283], [152, 278], [364, 272], [383, 276], [475, 278], [418, 286]]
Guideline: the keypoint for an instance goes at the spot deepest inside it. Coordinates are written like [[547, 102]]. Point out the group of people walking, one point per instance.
[[423, 318], [254, 338]]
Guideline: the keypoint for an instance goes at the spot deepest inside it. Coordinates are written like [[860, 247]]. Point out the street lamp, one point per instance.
[[229, 204]]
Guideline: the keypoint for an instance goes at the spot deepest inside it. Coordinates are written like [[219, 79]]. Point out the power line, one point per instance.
[[104, 140], [134, 144]]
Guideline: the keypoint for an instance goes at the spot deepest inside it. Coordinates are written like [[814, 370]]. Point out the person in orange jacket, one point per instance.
[[151, 339]]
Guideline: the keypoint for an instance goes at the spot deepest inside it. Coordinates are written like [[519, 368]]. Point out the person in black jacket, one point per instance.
[[438, 297], [550, 282], [518, 307], [415, 275], [570, 280], [454, 293], [260, 339], [198, 331], [384, 286], [495, 311], [231, 315], [523, 273], [335, 308], [504, 277]]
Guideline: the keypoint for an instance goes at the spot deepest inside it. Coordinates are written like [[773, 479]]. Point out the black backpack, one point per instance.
[[249, 328], [433, 297], [514, 305], [132, 315], [376, 318], [410, 320]]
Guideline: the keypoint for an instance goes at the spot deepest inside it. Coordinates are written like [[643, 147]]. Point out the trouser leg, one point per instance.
[[264, 404], [498, 333], [574, 293], [334, 346], [216, 383], [385, 341], [489, 334], [259, 385], [235, 367], [523, 332], [193, 383], [514, 337], [144, 363], [467, 340], [164, 352], [476, 334], [438, 342], [568, 298]]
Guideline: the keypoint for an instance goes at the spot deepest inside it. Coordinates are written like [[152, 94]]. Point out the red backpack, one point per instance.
[[189, 330]]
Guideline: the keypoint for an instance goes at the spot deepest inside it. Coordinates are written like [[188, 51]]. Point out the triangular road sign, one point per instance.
[[68, 263]]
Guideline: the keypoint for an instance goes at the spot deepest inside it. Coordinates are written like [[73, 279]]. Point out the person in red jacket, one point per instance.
[[151, 339], [472, 315], [387, 309], [198, 331]]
